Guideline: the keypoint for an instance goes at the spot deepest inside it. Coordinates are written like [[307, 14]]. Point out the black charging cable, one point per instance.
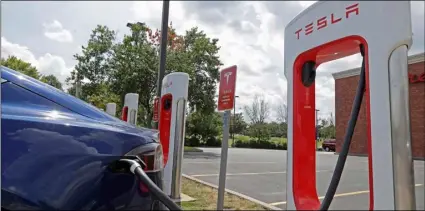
[[336, 177], [137, 170]]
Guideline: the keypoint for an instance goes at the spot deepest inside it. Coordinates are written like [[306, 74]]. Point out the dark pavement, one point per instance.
[[261, 174]]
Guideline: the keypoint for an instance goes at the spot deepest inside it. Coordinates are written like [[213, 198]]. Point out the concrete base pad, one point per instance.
[[184, 198]]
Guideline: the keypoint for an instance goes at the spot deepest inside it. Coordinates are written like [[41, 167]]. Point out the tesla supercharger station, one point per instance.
[[111, 108], [131, 105], [329, 30], [172, 120]]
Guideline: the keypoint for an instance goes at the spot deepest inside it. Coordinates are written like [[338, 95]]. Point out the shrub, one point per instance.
[[213, 142], [192, 141], [262, 144]]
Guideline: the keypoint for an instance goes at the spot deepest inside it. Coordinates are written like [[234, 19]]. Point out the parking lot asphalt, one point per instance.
[[261, 174]]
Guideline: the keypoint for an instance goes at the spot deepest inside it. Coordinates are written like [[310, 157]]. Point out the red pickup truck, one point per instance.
[[329, 145]]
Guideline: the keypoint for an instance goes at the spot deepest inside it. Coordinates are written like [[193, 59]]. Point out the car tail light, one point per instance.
[[124, 113], [151, 155]]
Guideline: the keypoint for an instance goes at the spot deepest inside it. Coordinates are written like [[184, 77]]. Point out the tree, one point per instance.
[[19, 65], [259, 110], [238, 125], [260, 131], [102, 97], [131, 65], [52, 81], [134, 69], [203, 126], [278, 129], [282, 112], [199, 58], [94, 61], [326, 127]]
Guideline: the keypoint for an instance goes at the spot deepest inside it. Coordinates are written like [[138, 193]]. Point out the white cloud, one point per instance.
[[55, 31], [47, 64]]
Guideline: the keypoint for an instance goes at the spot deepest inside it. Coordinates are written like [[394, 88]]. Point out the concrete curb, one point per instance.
[[268, 206], [365, 155]]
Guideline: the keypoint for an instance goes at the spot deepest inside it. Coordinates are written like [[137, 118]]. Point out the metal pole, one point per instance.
[[233, 125], [234, 121], [163, 49], [223, 162]]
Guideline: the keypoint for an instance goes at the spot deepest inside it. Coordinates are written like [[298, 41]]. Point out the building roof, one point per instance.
[[416, 58]]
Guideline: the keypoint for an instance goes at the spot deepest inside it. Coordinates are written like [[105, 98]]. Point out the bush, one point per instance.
[[192, 141], [213, 142], [262, 144]]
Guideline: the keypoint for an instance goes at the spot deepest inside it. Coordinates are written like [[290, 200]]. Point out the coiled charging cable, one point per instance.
[[137, 170], [330, 193]]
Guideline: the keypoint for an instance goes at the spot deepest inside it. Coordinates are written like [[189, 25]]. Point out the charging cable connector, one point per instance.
[[137, 170]]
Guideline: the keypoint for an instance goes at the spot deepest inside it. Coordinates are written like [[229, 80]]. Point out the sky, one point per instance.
[[251, 35]]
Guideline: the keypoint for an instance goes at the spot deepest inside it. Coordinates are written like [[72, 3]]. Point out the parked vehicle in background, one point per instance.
[[57, 152], [329, 145]]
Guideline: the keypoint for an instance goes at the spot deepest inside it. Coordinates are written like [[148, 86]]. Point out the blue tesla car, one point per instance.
[[57, 152]]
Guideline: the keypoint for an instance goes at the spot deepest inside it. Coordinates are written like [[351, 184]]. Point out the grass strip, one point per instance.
[[206, 198]]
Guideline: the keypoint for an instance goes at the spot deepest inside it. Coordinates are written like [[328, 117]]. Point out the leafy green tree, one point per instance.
[[19, 65], [131, 65], [135, 66], [94, 61], [277, 129], [238, 125], [203, 126], [260, 131], [199, 58], [52, 81], [102, 97], [327, 127]]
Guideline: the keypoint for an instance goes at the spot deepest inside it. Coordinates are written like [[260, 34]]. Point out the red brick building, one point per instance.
[[345, 89]]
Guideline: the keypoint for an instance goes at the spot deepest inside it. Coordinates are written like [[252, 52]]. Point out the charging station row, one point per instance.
[[171, 125]]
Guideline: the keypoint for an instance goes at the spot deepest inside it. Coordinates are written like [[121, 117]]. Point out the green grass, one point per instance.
[[206, 198], [319, 144], [192, 149]]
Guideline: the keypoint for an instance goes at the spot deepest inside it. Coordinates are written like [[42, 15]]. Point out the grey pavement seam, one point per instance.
[[268, 206]]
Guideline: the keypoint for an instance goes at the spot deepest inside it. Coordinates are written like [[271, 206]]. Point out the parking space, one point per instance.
[[261, 174]]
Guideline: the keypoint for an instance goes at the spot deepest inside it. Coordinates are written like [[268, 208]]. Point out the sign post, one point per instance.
[[226, 97]]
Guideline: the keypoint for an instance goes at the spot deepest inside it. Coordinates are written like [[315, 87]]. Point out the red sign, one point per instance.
[[155, 109], [226, 91], [416, 78]]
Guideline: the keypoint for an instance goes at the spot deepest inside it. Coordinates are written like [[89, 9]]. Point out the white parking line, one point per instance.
[[251, 173], [337, 195]]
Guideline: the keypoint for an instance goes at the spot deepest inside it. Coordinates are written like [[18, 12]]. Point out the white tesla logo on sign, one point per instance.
[[227, 75]]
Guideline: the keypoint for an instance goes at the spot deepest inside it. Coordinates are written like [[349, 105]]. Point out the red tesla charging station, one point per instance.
[[111, 108], [172, 120], [129, 110], [330, 30]]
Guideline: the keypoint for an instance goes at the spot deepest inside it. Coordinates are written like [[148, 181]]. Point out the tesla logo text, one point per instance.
[[325, 21], [227, 75], [416, 78]]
